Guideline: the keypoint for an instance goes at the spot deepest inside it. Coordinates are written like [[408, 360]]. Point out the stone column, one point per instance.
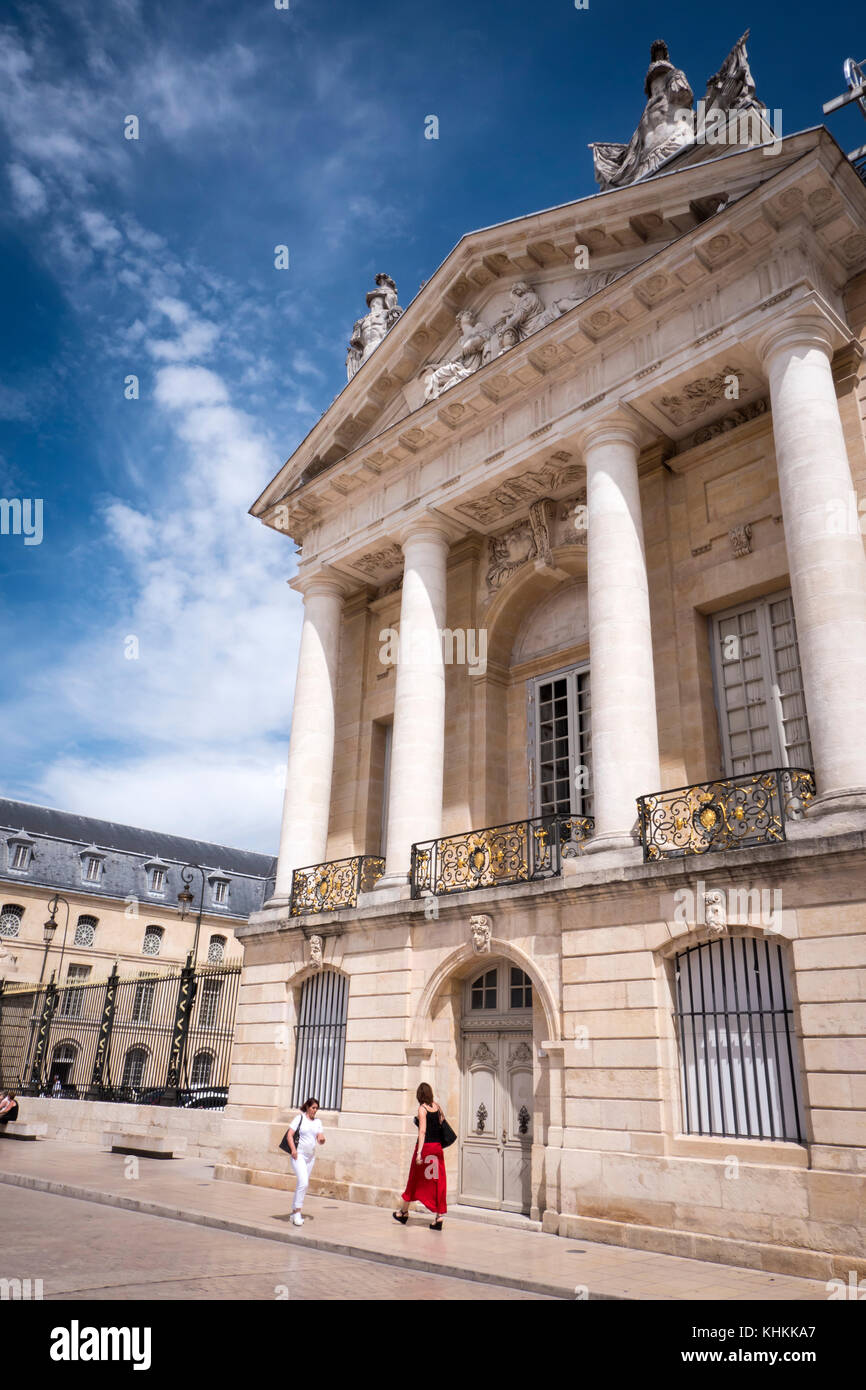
[[826, 560], [625, 751], [307, 804], [418, 740]]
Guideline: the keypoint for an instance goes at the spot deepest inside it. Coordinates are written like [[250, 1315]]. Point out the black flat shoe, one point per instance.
[[435, 1225], [401, 1216]]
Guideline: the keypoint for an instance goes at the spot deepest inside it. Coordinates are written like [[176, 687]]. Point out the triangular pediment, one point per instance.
[[569, 258]]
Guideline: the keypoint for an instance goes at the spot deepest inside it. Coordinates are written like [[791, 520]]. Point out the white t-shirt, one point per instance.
[[305, 1142]]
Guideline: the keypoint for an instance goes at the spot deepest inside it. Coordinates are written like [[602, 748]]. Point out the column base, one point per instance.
[[832, 803], [276, 902], [613, 839], [389, 888]]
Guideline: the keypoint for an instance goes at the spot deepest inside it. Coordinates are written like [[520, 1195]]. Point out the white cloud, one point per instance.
[[101, 232], [28, 191]]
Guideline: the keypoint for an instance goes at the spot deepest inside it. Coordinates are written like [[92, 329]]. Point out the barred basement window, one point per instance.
[[152, 941], [735, 1030], [85, 931], [321, 1040], [10, 919], [208, 1014], [216, 950], [72, 1003]]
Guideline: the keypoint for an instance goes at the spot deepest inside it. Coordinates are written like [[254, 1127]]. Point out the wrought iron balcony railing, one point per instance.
[[326, 887], [519, 852], [731, 813]]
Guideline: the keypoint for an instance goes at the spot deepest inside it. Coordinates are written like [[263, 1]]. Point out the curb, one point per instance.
[[309, 1242]]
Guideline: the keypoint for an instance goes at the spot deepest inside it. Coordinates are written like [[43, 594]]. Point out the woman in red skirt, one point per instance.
[[427, 1170]]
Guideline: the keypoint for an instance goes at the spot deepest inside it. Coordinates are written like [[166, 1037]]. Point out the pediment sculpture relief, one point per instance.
[[382, 313], [525, 315]]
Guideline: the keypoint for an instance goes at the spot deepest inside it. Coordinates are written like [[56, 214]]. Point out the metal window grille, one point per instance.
[[216, 949], [10, 919], [735, 1029], [85, 931], [321, 1040], [142, 1002], [152, 941]]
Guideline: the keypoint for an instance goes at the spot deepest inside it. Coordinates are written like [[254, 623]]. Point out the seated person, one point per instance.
[[8, 1107]]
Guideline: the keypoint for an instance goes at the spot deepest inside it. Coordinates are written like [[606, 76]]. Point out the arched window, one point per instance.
[[134, 1066], [501, 989], [152, 941], [321, 1039], [202, 1066], [735, 1029], [85, 931], [10, 919], [216, 950]]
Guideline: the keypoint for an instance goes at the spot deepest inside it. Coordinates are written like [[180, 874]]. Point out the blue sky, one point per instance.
[[155, 257]]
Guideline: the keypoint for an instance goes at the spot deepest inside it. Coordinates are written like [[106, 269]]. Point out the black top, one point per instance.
[[433, 1130]]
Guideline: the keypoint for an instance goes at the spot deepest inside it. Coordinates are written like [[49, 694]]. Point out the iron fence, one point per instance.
[[160, 1039]]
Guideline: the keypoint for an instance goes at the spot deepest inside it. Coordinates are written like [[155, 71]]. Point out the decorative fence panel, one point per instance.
[[158, 1039]]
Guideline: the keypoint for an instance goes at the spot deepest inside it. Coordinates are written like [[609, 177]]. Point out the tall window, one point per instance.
[[760, 686], [157, 880], [735, 1029], [10, 919], [209, 1008], [134, 1066], [85, 931], [560, 711], [321, 1039], [72, 1005], [142, 1001]]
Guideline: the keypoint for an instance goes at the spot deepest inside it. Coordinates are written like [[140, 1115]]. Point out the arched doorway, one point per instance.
[[496, 1122]]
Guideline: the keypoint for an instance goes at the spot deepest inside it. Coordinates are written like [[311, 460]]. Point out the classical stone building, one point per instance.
[[122, 886], [606, 478]]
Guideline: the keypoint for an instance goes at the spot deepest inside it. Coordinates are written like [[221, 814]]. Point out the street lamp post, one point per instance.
[[48, 931], [186, 899], [187, 990]]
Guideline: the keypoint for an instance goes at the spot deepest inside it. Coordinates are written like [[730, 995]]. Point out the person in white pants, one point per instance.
[[305, 1133]]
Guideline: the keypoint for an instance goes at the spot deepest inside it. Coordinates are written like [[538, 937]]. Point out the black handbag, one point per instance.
[[448, 1135], [284, 1142]]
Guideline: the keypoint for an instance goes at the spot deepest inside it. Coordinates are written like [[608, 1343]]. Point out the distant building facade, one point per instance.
[[122, 886]]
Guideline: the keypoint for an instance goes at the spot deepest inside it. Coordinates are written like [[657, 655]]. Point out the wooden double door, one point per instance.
[[496, 1120]]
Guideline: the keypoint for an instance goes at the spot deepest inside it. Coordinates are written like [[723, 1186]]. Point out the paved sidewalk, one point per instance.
[[185, 1190]]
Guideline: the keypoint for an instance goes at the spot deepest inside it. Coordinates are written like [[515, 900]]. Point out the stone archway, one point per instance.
[[497, 1052]]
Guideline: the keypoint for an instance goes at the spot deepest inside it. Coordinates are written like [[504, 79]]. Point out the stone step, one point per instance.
[[511, 1219]]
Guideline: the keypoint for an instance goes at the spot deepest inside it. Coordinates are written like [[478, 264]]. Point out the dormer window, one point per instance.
[[219, 884], [92, 865], [156, 873], [20, 852]]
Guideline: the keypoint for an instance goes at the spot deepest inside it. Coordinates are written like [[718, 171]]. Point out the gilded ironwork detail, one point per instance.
[[731, 813], [518, 852], [327, 887]]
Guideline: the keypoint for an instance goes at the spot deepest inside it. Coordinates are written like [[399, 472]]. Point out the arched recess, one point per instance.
[[503, 619], [458, 964]]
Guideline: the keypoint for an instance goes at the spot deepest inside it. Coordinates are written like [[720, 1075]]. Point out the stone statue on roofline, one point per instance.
[[668, 121], [382, 313]]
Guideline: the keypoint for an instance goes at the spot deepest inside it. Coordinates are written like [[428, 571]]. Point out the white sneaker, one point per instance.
[[297, 1219]]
